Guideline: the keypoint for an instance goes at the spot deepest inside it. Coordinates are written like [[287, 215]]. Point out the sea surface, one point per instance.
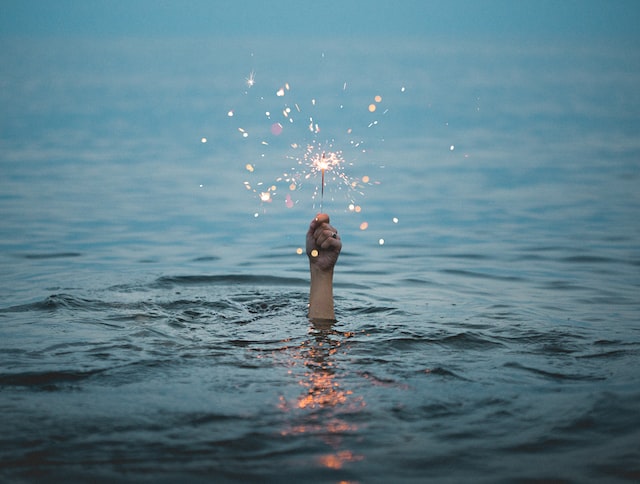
[[153, 309]]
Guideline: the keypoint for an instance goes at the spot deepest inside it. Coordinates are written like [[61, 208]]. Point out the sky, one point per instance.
[[572, 19]]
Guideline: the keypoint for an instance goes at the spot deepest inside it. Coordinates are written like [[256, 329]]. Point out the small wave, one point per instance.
[[589, 259], [468, 341], [443, 372], [49, 380], [51, 255], [53, 302], [206, 258], [553, 375], [227, 279], [481, 275]]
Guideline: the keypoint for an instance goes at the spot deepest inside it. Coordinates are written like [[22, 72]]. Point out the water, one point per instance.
[[153, 328]]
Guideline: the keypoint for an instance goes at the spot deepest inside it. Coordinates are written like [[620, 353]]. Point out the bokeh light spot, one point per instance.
[[276, 129]]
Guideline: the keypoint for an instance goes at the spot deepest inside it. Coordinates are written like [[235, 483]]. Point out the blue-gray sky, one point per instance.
[[571, 19]]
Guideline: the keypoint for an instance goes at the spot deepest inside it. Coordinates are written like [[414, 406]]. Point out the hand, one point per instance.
[[323, 243]]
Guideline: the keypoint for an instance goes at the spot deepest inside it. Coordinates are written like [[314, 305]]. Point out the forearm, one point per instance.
[[321, 294]]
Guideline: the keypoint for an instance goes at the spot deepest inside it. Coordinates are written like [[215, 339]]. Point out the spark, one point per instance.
[[251, 79]]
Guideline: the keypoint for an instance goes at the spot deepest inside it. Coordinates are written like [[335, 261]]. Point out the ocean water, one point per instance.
[[152, 309]]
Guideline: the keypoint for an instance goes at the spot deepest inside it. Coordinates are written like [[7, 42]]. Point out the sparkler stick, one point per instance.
[[322, 168], [322, 187]]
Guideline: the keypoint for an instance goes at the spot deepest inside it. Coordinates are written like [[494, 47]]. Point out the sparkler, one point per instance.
[[322, 167], [310, 155], [323, 162]]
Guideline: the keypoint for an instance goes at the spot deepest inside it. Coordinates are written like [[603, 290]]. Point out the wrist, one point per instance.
[[321, 294], [320, 272]]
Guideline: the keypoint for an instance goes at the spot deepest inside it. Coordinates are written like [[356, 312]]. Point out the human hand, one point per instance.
[[323, 243]]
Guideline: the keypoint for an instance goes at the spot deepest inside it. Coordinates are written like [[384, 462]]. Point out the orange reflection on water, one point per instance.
[[339, 459], [325, 406]]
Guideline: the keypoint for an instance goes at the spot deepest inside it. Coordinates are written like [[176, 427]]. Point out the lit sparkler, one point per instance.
[[311, 156], [326, 161]]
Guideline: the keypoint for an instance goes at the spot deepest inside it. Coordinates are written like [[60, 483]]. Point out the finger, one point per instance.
[[327, 234], [331, 243], [324, 227], [313, 226]]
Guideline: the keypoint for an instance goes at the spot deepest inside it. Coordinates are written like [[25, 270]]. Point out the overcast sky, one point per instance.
[[572, 19]]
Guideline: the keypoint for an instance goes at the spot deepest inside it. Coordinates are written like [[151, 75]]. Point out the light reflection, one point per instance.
[[324, 406]]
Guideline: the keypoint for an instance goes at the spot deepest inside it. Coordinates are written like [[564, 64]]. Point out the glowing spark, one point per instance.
[[372, 107], [203, 140], [265, 197], [251, 79]]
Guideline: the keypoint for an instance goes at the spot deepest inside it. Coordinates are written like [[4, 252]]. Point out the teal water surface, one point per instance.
[[152, 309]]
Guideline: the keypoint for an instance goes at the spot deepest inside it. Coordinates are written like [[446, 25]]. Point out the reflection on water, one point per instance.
[[324, 406]]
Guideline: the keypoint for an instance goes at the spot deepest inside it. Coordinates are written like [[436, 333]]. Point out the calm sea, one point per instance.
[[152, 307]]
